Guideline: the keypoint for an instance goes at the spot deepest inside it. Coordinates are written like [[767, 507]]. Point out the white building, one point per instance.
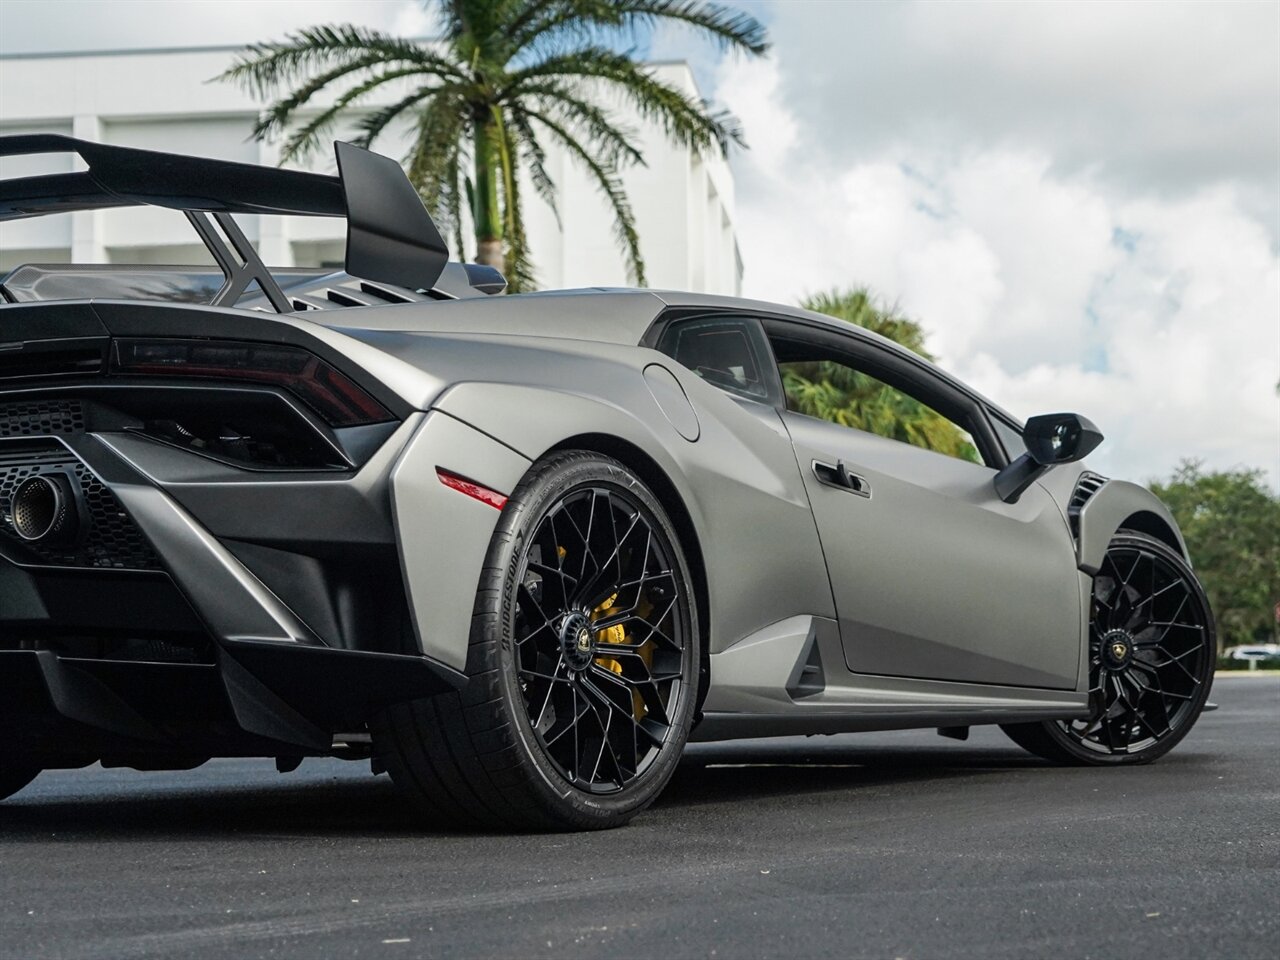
[[164, 100]]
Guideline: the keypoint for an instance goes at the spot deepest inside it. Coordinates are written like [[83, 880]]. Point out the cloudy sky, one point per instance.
[[1080, 201]]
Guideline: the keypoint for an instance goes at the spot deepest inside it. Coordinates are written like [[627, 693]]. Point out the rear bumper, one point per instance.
[[255, 699], [195, 618]]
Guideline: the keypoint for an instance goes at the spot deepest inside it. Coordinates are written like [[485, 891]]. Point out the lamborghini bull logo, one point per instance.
[[584, 640]]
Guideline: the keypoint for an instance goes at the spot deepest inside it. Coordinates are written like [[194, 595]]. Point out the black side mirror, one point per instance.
[[1050, 439]]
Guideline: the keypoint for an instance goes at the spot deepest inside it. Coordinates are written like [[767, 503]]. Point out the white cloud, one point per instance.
[[1159, 316], [1080, 201], [39, 26], [1152, 95]]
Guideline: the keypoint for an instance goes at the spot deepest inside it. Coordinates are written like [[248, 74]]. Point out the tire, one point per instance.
[[498, 753], [15, 777], [1152, 650]]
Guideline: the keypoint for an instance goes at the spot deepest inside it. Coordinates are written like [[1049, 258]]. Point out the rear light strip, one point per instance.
[[472, 489], [332, 394]]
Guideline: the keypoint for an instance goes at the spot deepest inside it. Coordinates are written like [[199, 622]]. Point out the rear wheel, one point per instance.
[[582, 663], [14, 777], [1151, 658]]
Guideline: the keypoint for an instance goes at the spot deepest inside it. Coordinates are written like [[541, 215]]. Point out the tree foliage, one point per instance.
[[1231, 523], [834, 392], [506, 79]]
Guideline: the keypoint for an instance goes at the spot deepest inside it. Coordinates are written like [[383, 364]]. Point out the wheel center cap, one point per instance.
[[1117, 648], [577, 640]]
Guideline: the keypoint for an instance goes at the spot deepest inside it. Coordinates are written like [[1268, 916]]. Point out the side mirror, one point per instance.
[[1060, 438], [1050, 439]]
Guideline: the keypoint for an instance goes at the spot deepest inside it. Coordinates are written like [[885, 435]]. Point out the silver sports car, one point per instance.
[[518, 550]]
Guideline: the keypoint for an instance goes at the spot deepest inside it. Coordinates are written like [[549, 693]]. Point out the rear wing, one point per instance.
[[391, 237]]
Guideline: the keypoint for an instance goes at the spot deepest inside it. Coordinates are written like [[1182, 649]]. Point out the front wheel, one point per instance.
[[1152, 648], [582, 663]]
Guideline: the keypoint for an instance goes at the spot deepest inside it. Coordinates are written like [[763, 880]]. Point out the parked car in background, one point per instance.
[[1255, 654]]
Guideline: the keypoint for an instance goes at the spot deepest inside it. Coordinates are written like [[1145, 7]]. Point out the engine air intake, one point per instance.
[[36, 418]]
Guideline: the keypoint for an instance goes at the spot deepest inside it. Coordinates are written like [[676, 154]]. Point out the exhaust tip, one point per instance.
[[42, 510]]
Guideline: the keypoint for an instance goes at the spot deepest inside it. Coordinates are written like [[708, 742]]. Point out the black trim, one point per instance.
[[124, 176], [39, 323], [391, 237], [654, 337]]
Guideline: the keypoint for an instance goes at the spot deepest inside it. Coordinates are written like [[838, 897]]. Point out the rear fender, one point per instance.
[[738, 481], [443, 535]]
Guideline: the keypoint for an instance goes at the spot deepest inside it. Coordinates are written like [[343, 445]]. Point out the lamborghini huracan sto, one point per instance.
[[517, 551]]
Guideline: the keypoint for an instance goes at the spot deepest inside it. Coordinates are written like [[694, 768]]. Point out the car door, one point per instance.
[[933, 575]]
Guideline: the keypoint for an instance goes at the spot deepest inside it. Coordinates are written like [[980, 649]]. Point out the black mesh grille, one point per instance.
[[110, 540], [41, 418], [1086, 487]]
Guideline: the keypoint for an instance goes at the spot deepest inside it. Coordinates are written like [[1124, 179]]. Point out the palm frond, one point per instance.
[[277, 115], [432, 162], [451, 199], [681, 117], [606, 177], [263, 67], [546, 25], [306, 138], [373, 124], [536, 157], [605, 134], [733, 29], [519, 267]]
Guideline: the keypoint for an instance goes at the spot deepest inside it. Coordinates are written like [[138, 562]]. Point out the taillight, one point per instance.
[[329, 392]]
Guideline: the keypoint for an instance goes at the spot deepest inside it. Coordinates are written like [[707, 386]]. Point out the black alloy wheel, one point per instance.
[[583, 663], [598, 642], [1152, 648]]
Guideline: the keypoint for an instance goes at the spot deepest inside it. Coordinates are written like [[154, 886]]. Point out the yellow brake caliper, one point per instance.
[[618, 634]]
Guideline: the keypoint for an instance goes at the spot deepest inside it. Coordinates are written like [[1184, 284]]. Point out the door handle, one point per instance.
[[838, 475]]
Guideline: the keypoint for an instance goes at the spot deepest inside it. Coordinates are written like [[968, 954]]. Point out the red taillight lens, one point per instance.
[[472, 489], [327, 391]]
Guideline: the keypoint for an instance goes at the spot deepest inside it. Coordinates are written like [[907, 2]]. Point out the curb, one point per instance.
[[1219, 674]]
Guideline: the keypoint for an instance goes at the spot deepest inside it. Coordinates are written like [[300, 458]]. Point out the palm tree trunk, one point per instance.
[[488, 214]]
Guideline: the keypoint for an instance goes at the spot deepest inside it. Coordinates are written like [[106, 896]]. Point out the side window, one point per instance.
[[830, 388], [730, 352]]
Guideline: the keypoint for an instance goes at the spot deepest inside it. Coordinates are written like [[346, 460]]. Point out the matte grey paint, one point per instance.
[[672, 401], [444, 535], [738, 483], [914, 566], [1106, 512], [749, 699], [995, 629]]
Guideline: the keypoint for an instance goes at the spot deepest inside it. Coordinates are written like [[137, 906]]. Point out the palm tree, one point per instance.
[[832, 391], [505, 79]]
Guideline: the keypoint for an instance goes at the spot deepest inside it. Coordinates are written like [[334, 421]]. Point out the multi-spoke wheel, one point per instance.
[[583, 662], [599, 638], [1151, 659]]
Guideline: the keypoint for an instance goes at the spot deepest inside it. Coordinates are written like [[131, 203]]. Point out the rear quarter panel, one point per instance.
[[738, 481]]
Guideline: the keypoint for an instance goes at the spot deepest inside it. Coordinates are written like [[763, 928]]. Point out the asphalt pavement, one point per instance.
[[876, 845]]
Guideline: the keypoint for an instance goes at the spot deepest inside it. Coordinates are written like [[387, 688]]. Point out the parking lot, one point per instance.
[[891, 844]]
